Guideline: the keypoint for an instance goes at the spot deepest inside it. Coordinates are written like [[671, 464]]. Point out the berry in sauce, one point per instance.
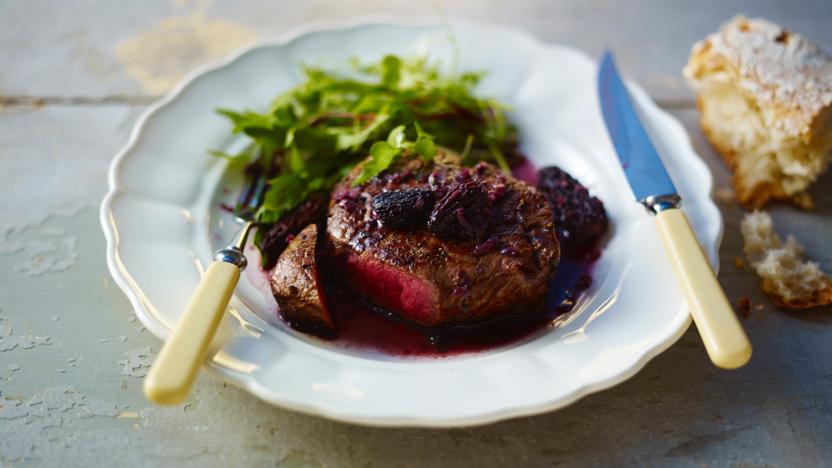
[[403, 209], [464, 212], [580, 218]]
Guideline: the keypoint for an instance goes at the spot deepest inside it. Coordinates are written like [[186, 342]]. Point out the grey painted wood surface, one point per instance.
[[75, 76]]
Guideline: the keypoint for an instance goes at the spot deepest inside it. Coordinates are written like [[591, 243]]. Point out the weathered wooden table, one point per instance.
[[75, 75]]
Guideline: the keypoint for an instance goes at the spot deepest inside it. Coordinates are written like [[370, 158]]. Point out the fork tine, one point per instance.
[[260, 186], [245, 196], [252, 194], [250, 197]]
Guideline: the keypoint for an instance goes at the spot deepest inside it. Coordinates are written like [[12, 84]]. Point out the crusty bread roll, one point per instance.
[[788, 278], [765, 101]]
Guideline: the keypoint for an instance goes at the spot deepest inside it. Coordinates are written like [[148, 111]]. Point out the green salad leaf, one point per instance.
[[382, 155], [314, 133]]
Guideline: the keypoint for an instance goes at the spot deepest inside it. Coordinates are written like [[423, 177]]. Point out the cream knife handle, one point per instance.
[[726, 342], [172, 374]]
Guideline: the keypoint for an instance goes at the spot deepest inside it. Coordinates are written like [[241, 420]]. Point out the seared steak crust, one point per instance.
[[297, 287], [435, 281]]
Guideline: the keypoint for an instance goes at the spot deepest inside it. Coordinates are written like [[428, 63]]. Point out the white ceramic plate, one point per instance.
[[162, 221]]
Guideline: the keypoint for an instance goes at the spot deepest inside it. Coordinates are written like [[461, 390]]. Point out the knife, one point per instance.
[[724, 339]]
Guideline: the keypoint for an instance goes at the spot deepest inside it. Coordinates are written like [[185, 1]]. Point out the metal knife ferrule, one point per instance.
[[658, 203]]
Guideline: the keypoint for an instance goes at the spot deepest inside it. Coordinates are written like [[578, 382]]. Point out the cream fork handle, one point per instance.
[[172, 374]]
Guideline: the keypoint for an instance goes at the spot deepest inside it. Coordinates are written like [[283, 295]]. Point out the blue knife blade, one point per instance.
[[642, 164]]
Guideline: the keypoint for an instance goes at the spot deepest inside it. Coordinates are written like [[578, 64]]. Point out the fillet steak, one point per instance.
[[297, 287], [490, 254]]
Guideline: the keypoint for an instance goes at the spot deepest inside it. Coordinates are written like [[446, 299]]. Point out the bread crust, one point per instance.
[[819, 298]]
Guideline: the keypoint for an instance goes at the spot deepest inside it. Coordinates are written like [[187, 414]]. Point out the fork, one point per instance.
[[175, 368]]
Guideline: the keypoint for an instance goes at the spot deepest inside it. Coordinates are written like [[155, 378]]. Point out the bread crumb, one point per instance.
[[803, 201], [744, 306], [739, 262], [787, 277], [724, 195]]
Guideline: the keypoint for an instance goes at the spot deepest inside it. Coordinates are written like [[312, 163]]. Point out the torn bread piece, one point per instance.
[[765, 101], [788, 278]]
